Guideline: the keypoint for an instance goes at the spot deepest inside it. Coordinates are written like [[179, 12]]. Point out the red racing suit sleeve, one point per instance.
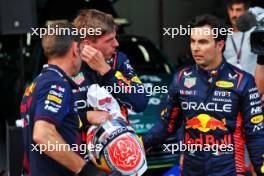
[[253, 124]]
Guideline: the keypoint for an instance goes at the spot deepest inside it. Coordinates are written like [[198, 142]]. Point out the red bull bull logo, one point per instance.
[[205, 123]]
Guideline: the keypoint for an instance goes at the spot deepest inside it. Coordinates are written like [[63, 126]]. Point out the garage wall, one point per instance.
[[144, 16]]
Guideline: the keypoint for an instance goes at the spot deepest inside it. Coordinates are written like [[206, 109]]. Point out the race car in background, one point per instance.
[[155, 70]]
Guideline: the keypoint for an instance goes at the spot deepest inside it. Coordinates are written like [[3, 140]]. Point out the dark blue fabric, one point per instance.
[[222, 106], [49, 98]]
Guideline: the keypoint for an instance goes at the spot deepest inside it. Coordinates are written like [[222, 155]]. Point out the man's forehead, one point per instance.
[[237, 6], [203, 32], [109, 35]]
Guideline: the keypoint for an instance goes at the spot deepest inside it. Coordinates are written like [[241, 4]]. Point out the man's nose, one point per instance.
[[234, 14], [195, 47], [115, 43]]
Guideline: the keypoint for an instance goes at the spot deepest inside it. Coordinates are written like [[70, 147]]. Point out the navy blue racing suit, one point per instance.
[[222, 112], [121, 76], [49, 98]]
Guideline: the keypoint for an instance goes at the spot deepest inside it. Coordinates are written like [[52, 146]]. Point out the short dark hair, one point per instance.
[[58, 44], [213, 22], [246, 3]]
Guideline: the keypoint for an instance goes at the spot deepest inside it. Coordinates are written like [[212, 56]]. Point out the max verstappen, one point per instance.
[[220, 105]]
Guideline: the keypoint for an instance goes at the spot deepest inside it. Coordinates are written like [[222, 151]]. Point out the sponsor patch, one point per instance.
[[256, 110], [79, 78], [188, 92], [189, 82], [57, 94], [222, 93], [257, 119], [258, 127], [224, 84], [232, 77], [187, 74], [255, 103], [51, 108], [54, 98], [254, 96], [253, 89], [59, 88]]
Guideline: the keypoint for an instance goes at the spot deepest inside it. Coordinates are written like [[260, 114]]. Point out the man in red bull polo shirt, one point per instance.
[[221, 107]]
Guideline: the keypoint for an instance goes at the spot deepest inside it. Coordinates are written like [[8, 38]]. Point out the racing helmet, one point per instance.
[[120, 151]]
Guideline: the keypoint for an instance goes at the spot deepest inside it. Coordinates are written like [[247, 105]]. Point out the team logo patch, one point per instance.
[[187, 74], [79, 78], [30, 89], [230, 76], [125, 153], [189, 82], [120, 76], [224, 84], [136, 80]]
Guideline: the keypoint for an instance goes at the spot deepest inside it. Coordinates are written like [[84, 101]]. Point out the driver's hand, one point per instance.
[[98, 117]]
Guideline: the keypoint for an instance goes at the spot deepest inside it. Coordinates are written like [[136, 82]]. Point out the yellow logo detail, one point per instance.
[[262, 168], [30, 89], [224, 84], [80, 123], [120, 76], [257, 119], [54, 98], [205, 123], [136, 80], [163, 112], [204, 118]]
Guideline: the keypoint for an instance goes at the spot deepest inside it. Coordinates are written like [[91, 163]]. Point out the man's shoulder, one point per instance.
[[51, 81], [244, 78], [121, 55], [234, 69], [185, 71]]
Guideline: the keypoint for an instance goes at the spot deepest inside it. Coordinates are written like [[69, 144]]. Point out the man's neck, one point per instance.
[[62, 64], [218, 62], [235, 29]]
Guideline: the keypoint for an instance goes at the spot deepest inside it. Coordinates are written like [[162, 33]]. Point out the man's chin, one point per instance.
[[110, 56]]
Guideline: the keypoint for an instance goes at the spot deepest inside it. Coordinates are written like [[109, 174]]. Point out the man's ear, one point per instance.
[[86, 42], [75, 49], [220, 45]]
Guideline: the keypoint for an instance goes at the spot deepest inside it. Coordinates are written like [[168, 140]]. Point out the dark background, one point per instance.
[[147, 18]]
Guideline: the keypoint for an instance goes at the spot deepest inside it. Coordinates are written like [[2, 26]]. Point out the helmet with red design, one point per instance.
[[120, 148], [121, 151]]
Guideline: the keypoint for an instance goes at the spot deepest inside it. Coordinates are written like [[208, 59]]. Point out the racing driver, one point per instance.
[[220, 106], [105, 65]]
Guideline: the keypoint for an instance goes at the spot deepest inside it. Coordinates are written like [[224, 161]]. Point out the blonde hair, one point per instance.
[[91, 18]]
